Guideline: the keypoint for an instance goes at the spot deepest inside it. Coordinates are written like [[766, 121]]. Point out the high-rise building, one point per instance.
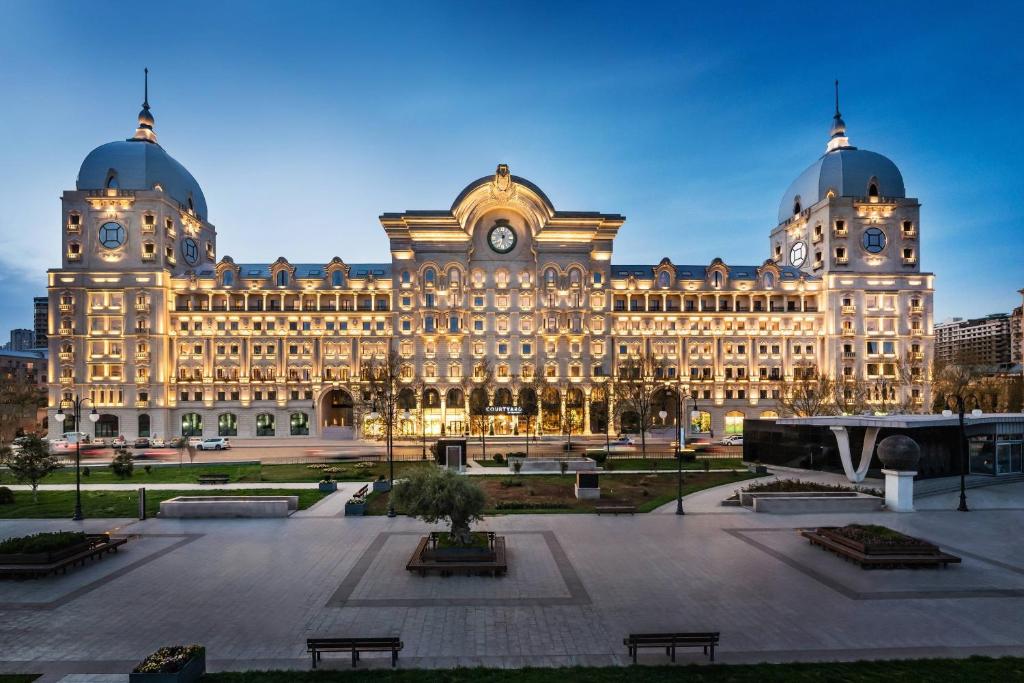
[[498, 299], [22, 340], [977, 341], [41, 313], [1017, 334]]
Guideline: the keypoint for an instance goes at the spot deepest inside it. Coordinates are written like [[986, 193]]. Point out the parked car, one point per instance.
[[119, 442], [157, 442], [623, 441], [142, 442], [217, 443], [732, 440], [194, 441]]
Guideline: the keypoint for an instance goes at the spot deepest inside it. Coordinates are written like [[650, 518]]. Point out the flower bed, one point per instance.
[[43, 548], [800, 486], [173, 664]]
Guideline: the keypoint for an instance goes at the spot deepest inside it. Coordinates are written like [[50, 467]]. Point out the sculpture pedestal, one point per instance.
[[587, 493], [899, 490]]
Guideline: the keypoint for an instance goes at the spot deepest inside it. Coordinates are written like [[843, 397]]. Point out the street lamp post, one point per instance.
[[94, 417], [960, 407]]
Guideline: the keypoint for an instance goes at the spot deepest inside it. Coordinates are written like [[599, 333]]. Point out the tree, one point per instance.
[[31, 463], [810, 393], [122, 465], [892, 393], [434, 494], [184, 448], [481, 383], [383, 378], [957, 383], [851, 396], [19, 399], [572, 416], [529, 391], [639, 378]]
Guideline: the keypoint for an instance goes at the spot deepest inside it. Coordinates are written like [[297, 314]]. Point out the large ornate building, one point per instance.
[[167, 339]]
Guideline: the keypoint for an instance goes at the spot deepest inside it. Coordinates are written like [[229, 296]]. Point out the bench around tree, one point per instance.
[[670, 641], [315, 646]]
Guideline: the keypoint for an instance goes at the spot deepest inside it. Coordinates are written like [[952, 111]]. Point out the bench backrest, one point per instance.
[[348, 642], [362, 492], [680, 637]]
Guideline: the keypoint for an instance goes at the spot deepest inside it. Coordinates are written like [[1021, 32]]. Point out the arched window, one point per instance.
[[299, 424], [406, 277], [191, 424], [227, 424], [228, 278], [265, 424], [429, 276], [282, 278], [769, 415], [144, 425], [575, 277], [663, 279], [796, 205], [734, 422], [873, 190], [454, 277], [550, 277], [769, 281]]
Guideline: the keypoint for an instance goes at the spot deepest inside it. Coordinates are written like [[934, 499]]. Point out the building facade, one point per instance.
[[40, 319], [21, 340], [498, 295], [979, 341]]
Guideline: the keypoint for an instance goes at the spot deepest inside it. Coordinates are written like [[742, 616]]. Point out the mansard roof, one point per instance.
[[700, 272]]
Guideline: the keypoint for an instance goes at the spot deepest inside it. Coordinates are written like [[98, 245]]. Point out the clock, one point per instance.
[[798, 254], [190, 251], [502, 238], [112, 235]]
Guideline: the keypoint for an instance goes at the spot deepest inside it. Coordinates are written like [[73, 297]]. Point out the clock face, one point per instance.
[[190, 251], [112, 235], [501, 238], [798, 254]]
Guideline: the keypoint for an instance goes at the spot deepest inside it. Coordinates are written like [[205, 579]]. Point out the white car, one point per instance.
[[623, 441], [157, 442], [732, 440], [195, 441], [217, 443]]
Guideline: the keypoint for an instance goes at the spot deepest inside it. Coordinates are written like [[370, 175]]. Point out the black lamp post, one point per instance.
[[94, 417], [680, 443]]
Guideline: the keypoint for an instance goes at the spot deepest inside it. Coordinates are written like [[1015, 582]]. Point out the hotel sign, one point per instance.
[[503, 410]]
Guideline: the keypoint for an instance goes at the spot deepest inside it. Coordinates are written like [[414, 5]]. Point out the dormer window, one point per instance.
[[112, 180], [873, 190], [228, 278], [282, 278], [796, 206], [663, 279], [769, 281], [337, 278], [716, 279]]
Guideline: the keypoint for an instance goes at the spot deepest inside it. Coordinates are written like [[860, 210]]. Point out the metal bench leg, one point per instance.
[[635, 649], [355, 657], [712, 652], [394, 658], [673, 654], [314, 658]]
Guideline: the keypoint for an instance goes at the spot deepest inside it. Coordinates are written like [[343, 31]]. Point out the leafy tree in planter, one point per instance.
[[437, 494], [122, 465], [31, 464]]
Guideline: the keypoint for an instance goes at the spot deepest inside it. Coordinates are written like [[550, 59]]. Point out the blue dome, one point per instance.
[[140, 165], [847, 171]]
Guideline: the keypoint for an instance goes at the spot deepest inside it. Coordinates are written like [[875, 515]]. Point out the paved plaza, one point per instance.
[[252, 591]]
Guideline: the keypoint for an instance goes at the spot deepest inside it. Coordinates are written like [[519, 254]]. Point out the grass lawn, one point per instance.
[[96, 504], [554, 493], [490, 463], [671, 464], [18, 678], [973, 669], [189, 474]]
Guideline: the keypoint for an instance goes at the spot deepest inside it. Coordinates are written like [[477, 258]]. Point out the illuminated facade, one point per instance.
[[167, 340]]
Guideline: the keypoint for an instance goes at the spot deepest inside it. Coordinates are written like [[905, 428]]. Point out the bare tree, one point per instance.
[[383, 378], [811, 392], [529, 400], [957, 383], [851, 395], [483, 378], [893, 392], [639, 379]]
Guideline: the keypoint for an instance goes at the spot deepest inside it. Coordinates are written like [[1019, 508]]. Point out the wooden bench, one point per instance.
[[614, 509], [363, 492], [213, 478], [670, 641], [355, 646], [100, 545]]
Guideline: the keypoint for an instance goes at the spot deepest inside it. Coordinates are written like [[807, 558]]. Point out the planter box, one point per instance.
[[457, 555], [190, 673], [328, 486], [880, 548], [355, 509], [53, 555], [381, 486]]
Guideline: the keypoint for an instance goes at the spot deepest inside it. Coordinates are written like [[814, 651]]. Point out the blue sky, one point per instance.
[[304, 121]]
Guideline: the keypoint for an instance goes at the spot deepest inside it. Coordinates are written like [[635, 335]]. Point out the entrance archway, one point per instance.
[[336, 409]]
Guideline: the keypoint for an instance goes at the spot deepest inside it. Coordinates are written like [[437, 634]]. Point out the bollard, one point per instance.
[[142, 503]]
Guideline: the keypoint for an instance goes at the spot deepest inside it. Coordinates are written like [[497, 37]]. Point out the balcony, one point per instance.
[[909, 233], [66, 355], [142, 330], [849, 309], [142, 404], [67, 380], [66, 331], [841, 232], [849, 355], [74, 256], [848, 332], [142, 356], [818, 265], [909, 260], [817, 237], [142, 306], [842, 260], [148, 256]]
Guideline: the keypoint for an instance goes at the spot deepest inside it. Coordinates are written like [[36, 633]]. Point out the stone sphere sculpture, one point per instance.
[[899, 452]]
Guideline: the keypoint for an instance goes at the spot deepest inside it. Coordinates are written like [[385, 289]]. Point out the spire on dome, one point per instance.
[[838, 132], [145, 130]]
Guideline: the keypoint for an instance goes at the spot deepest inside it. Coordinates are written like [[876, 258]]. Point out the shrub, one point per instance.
[[168, 660], [517, 465], [498, 457], [509, 483], [147, 468], [86, 471], [609, 466], [563, 466], [599, 457], [435, 494], [42, 542], [122, 465], [6, 496], [531, 505]]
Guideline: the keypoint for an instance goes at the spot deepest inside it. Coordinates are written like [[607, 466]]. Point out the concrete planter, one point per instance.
[[355, 508], [328, 486], [815, 502], [381, 486], [190, 673]]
